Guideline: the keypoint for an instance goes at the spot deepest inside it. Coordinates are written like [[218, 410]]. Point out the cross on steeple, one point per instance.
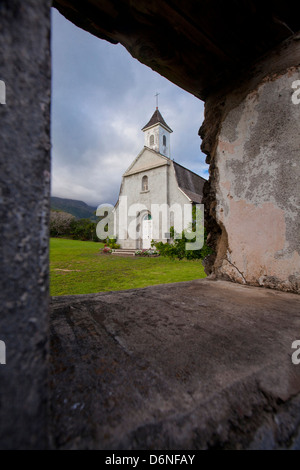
[[157, 99], [157, 133]]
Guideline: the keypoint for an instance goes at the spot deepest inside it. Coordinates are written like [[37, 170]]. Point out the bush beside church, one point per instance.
[[65, 225]]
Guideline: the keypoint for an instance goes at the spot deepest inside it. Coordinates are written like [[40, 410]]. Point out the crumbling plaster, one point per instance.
[[254, 188]]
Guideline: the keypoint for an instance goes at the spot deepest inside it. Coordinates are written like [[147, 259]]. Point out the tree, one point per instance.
[[60, 223]]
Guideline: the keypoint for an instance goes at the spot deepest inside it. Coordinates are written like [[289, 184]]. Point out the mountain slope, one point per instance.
[[77, 208]]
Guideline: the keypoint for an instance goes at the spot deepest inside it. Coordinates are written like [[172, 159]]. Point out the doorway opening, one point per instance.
[[101, 97], [147, 232]]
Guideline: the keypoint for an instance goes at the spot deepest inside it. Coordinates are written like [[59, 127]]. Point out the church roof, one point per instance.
[[155, 119], [190, 183]]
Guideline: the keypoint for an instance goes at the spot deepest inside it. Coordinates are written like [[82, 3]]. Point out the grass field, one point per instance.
[[77, 267]]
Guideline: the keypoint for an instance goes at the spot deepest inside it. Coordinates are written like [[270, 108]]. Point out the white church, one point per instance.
[[156, 192]]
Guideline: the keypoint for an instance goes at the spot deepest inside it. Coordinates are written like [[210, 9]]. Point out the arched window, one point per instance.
[[151, 140], [145, 183], [164, 140]]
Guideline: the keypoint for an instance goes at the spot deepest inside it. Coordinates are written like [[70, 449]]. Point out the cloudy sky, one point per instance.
[[101, 98]]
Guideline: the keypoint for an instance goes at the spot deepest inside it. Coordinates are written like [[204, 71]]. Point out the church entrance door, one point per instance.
[[147, 232]]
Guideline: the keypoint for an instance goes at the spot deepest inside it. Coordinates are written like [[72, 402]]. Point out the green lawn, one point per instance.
[[77, 267]]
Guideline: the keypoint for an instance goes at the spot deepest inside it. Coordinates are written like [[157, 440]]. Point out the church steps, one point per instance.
[[124, 252]]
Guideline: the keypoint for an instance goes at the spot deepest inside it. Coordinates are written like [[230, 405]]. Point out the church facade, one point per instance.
[[156, 192]]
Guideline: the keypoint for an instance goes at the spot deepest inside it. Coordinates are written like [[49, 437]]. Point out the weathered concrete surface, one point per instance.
[[252, 139], [196, 365], [24, 207], [197, 44]]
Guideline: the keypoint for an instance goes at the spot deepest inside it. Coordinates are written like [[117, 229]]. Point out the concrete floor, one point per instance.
[[196, 365]]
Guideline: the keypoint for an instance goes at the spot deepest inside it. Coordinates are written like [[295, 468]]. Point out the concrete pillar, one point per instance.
[[24, 207], [252, 139]]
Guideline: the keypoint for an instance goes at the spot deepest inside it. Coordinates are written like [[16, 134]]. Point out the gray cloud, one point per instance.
[[101, 98]]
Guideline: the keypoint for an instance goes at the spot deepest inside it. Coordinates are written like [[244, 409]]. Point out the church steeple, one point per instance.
[[157, 134]]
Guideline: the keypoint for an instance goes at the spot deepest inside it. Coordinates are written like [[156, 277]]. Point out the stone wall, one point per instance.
[[252, 141], [24, 207]]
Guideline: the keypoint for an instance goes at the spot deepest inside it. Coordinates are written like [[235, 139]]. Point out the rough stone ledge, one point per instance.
[[196, 365]]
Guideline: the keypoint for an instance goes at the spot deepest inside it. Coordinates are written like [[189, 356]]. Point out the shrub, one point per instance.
[[177, 249], [111, 242], [84, 229]]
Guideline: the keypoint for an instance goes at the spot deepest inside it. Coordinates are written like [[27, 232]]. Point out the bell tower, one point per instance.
[[157, 134]]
